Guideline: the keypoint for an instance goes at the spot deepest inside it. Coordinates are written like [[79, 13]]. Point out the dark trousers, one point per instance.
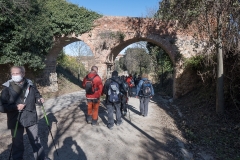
[[130, 92], [124, 99], [144, 105], [18, 146], [110, 109]]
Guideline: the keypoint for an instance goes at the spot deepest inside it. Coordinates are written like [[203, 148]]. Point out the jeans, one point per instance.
[[144, 105]]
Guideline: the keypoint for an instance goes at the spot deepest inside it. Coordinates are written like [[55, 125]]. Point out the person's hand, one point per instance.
[[20, 106], [136, 96], [151, 97], [41, 100]]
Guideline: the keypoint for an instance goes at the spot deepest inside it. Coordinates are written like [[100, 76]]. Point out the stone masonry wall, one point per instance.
[[112, 34]]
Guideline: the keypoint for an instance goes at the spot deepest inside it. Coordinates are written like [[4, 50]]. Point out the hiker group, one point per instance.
[[20, 96], [117, 89]]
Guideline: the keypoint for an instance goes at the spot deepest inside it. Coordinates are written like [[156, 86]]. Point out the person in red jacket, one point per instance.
[[93, 86], [129, 81]]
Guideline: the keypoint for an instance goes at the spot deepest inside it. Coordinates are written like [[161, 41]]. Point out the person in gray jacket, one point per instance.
[[20, 96], [145, 92]]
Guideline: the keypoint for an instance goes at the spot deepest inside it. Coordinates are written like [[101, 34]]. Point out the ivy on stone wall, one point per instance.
[[27, 32], [67, 18]]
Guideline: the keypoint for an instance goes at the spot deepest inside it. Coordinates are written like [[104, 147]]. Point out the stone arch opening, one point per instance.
[[163, 43], [49, 78]]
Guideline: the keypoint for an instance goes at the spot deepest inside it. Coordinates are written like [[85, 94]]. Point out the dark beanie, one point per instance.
[[114, 74]]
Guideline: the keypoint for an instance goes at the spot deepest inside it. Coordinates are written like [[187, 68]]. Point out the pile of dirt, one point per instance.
[[201, 125]]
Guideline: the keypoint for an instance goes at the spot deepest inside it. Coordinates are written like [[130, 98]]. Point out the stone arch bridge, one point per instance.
[[112, 34]]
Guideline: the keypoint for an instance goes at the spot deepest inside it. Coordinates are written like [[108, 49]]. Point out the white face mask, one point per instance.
[[17, 78]]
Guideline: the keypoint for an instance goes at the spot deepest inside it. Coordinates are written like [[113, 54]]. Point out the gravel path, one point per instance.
[[153, 137]]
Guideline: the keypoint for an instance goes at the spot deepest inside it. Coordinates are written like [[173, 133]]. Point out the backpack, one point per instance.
[[146, 88], [113, 92], [89, 86]]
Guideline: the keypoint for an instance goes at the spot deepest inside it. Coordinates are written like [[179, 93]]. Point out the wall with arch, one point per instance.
[[111, 34]]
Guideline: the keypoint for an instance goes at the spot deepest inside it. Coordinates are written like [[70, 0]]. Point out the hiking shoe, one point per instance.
[[46, 158], [89, 122], [118, 124], [110, 127], [95, 123], [124, 113]]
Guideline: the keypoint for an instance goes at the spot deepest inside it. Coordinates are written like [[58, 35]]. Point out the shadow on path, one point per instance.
[[70, 150]]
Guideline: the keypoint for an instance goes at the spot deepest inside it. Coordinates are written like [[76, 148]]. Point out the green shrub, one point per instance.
[[71, 64], [194, 63], [27, 32]]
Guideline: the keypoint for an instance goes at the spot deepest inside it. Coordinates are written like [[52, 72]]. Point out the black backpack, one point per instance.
[[113, 92], [89, 87], [146, 88]]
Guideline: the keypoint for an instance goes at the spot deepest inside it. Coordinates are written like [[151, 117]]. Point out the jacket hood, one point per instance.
[[7, 84]]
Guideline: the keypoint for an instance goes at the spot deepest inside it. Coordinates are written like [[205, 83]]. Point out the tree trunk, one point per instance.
[[220, 84]]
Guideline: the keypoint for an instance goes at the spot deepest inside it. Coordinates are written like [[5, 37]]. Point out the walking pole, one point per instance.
[[45, 116], [15, 131]]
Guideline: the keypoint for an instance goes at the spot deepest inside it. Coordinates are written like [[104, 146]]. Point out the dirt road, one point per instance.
[[152, 137]]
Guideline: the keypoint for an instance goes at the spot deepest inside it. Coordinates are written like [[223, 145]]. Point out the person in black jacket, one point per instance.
[[20, 97], [108, 89]]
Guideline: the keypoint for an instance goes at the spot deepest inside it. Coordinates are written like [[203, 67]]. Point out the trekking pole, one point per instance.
[[15, 132], [49, 129]]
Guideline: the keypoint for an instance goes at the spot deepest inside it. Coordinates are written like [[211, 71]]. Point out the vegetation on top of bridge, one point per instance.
[[28, 27]]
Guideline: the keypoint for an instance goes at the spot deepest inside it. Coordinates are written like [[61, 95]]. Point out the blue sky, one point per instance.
[[130, 8]]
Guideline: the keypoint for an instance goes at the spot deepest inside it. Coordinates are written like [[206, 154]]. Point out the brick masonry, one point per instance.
[[112, 34]]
